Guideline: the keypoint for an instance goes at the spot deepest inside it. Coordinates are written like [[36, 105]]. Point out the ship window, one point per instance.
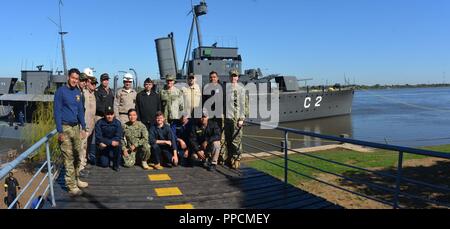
[[210, 64], [198, 63]]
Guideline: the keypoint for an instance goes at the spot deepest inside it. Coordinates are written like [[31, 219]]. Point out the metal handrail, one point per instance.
[[30, 151], [359, 142], [404, 179], [399, 179]]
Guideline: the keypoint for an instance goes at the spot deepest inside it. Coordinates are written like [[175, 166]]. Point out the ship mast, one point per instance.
[[63, 50], [61, 33], [197, 11]]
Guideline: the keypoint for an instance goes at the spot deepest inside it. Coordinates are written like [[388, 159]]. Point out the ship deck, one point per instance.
[[186, 188]]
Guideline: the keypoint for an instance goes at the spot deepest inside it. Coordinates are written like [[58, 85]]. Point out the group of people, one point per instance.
[[152, 129], [12, 118]]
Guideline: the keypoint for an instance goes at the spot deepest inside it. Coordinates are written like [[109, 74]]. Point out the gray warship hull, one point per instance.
[[298, 106]]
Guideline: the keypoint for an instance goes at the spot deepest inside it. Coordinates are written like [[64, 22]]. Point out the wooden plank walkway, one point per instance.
[[186, 188]]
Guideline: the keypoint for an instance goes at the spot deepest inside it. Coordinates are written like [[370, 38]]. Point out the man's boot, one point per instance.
[[145, 166], [75, 192], [82, 184]]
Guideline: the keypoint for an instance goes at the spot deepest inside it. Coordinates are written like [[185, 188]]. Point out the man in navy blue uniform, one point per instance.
[[181, 129], [108, 137], [69, 116], [162, 141]]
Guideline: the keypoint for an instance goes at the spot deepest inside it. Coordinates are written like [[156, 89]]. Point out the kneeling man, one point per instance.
[[135, 142], [205, 142], [108, 137], [162, 142]]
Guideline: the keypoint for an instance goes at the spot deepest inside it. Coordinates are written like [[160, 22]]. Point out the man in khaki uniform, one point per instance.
[[135, 145], [192, 97], [172, 101], [125, 99], [89, 117], [236, 110]]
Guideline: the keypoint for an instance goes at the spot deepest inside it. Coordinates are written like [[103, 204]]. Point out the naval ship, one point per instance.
[[295, 103]]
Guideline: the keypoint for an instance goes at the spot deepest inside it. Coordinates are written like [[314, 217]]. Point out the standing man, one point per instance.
[[236, 108], [69, 116], [172, 101], [148, 102], [11, 187], [205, 142], [104, 97], [21, 118], [162, 141], [135, 144], [11, 118], [108, 137], [192, 96], [89, 117], [213, 96], [125, 99]]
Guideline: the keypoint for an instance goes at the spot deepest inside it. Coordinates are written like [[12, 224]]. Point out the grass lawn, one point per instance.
[[379, 159]]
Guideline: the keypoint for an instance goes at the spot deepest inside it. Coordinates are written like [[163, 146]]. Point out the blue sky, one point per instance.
[[370, 41]]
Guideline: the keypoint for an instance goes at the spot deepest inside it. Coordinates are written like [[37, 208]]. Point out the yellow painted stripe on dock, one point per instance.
[[159, 177], [180, 206], [168, 191]]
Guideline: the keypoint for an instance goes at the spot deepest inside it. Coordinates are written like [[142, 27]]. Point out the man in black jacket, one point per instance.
[[104, 97], [205, 142], [148, 102]]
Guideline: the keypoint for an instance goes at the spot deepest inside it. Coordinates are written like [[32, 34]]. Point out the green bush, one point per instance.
[[42, 124]]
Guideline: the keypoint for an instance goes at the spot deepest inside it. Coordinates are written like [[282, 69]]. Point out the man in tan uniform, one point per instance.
[[89, 117], [125, 99], [192, 96]]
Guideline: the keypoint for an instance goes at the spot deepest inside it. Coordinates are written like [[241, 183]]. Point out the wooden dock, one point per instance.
[[186, 188]]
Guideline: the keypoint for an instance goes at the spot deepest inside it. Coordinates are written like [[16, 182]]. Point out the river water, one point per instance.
[[409, 117]]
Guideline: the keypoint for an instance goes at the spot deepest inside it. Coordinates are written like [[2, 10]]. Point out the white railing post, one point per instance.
[[50, 176]]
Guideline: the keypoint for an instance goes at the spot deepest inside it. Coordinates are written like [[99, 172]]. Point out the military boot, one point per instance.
[[75, 192], [82, 184], [235, 163], [145, 166]]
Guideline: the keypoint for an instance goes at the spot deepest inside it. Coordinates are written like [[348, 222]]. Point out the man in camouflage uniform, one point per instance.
[[69, 115], [192, 97], [172, 101], [125, 99], [89, 117], [236, 109], [135, 142]]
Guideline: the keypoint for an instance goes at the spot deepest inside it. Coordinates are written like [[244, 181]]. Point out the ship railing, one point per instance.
[[396, 189], [52, 170]]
